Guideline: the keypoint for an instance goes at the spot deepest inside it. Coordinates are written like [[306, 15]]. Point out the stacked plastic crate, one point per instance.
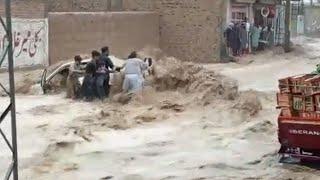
[[300, 96]]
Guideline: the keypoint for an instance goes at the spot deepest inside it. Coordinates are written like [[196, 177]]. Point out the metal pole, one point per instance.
[[109, 4], [287, 26], [12, 91]]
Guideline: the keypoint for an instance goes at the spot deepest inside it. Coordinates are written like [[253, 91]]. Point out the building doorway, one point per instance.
[[239, 13]]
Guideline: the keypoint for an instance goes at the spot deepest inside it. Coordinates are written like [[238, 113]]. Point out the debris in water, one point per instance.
[[106, 178], [173, 106], [146, 117], [123, 98], [71, 167], [42, 126]]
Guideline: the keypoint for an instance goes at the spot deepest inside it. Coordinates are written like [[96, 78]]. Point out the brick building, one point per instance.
[[26, 8], [189, 29]]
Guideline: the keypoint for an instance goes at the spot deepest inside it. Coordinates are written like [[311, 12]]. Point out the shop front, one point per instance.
[[252, 25], [240, 10], [260, 12], [265, 12]]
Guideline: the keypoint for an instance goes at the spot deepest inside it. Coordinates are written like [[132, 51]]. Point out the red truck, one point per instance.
[[299, 120]]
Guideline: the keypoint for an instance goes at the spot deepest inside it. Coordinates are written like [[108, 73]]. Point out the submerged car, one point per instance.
[[62, 69]]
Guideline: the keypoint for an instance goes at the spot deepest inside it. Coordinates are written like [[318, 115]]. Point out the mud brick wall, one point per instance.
[[189, 29], [77, 5], [25, 9], [84, 5], [40, 8], [72, 33]]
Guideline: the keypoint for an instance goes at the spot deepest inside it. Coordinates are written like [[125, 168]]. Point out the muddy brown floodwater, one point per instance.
[[195, 122]]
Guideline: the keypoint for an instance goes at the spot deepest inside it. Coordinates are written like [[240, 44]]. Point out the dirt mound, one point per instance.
[[25, 86], [249, 103], [25, 80], [150, 52], [167, 105], [116, 81], [172, 74]]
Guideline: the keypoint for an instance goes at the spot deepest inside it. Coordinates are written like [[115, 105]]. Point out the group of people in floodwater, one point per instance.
[[96, 81], [242, 37]]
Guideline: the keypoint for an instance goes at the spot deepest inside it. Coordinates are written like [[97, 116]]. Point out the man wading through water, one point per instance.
[[102, 74], [88, 88], [107, 63], [73, 84], [133, 70]]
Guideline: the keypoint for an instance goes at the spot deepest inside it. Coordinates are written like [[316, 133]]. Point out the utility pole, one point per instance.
[[8, 52], [12, 92], [287, 26]]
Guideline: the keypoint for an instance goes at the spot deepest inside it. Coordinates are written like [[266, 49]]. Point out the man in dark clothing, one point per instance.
[[233, 39], [102, 74], [109, 66], [229, 34], [89, 83], [236, 42]]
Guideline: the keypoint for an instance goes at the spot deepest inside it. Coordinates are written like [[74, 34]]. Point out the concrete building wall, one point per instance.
[[190, 30], [78, 33]]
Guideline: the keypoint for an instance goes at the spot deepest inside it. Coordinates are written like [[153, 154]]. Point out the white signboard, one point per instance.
[[30, 42]]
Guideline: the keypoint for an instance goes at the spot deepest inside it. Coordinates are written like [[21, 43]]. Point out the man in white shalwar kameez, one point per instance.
[[133, 74]]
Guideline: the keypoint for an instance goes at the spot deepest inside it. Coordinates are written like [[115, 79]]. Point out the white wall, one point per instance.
[[30, 42]]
